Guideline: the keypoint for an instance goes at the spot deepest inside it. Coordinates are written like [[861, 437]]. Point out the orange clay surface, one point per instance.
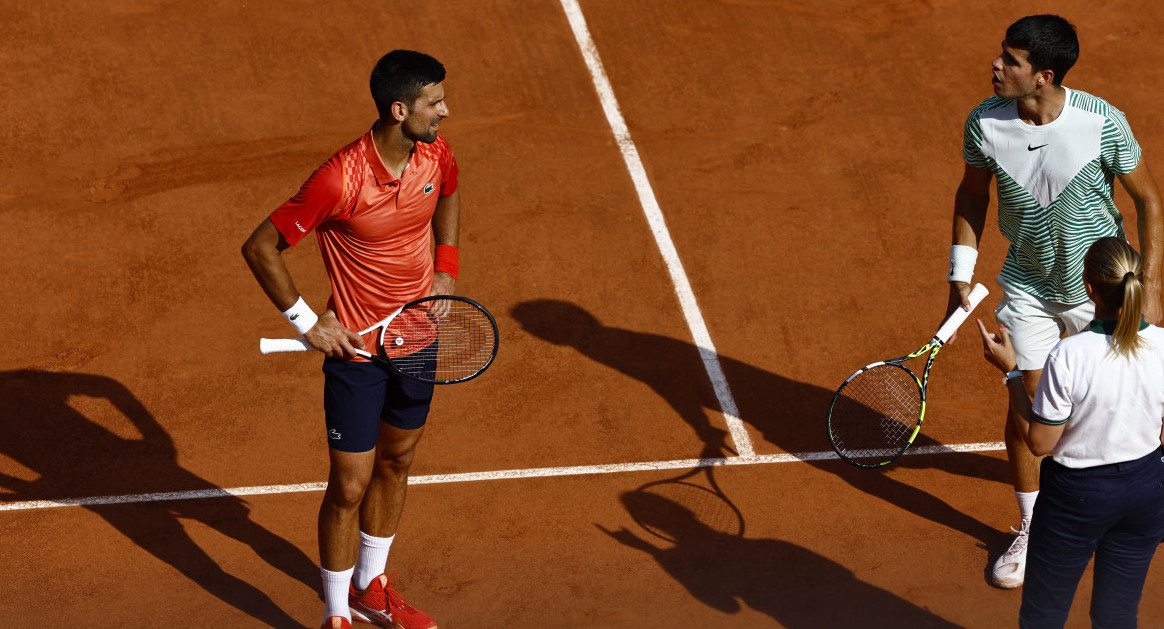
[[805, 156]]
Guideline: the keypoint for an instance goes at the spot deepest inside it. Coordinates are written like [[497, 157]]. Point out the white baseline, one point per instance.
[[468, 477]]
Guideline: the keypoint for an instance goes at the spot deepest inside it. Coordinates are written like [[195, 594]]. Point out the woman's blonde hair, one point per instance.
[[1116, 274]]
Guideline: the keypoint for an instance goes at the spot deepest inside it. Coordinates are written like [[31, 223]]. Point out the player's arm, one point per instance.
[[263, 252], [1141, 187], [446, 230], [970, 204]]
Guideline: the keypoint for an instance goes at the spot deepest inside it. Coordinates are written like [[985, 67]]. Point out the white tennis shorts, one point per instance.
[[1036, 325]]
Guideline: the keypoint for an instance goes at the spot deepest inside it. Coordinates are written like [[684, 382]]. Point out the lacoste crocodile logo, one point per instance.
[[428, 187]]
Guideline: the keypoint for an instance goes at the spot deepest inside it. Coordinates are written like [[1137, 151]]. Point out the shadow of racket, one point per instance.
[[674, 509]]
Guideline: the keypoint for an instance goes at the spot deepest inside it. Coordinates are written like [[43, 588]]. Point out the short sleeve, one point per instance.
[[1119, 151], [972, 141], [317, 200], [1052, 403], [449, 171]]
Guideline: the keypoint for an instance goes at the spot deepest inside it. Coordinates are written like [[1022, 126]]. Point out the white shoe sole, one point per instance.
[[382, 620]]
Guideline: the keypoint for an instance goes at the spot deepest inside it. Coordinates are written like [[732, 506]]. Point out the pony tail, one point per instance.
[[1115, 272], [1126, 338]]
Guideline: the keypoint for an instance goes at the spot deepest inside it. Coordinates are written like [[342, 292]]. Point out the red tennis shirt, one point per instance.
[[374, 229]]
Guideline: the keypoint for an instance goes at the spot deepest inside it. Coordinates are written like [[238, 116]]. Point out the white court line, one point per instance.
[[699, 333], [469, 477]]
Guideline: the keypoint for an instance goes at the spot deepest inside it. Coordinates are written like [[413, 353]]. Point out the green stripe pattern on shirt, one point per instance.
[[1047, 244]]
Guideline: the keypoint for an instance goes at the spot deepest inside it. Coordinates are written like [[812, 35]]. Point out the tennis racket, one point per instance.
[[441, 340], [876, 414]]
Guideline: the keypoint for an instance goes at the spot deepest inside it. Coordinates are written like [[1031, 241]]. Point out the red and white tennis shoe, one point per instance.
[[381, 605], [336, 622]]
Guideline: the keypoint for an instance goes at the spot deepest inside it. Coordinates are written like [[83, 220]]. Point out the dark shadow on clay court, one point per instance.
[[798, 588], [789, 414], [77, 457]]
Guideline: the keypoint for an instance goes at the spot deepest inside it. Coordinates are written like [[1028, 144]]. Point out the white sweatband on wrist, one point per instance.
[[301, 316], [962, 259]]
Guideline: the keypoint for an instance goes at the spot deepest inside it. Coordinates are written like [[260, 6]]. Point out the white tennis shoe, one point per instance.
[[1011, 567]]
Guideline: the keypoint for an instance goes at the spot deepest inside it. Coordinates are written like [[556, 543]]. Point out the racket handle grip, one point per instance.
[[959, 315], [272, 346]]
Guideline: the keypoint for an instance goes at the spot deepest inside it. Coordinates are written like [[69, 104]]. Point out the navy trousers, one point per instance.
[[1115, 512]]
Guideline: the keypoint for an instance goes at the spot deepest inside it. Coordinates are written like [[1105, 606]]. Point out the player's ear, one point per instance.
[[1045, 78], [399, 111]]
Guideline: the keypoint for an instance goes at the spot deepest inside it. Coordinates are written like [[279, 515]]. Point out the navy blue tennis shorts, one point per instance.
[[357, 396]]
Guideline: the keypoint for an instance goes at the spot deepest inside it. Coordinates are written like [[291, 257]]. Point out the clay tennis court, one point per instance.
[[156, 471]]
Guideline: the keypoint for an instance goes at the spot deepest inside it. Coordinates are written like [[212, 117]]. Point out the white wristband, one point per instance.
[[301, 316], [962, 259]]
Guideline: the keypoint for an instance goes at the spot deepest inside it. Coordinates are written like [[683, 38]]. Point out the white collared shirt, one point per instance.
[[1110, 406]]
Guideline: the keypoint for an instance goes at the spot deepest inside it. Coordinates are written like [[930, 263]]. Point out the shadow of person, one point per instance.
[[75, 455], [787, 413], [793, 585]]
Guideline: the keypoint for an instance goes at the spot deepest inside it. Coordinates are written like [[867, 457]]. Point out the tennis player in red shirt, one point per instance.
[[386, 212]]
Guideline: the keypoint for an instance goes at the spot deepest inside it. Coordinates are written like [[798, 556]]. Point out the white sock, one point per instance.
[[372, 559], [1026, 503], [335, 592]]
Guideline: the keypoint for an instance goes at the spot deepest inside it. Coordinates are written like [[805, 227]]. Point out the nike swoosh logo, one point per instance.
[[1035, 148]]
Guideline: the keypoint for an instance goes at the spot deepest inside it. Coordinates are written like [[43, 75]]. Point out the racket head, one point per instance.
[[876, 413], [442, 339]]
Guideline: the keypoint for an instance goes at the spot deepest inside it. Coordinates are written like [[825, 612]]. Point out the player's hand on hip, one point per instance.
[[959, 297], [332, 338], [997, 348]]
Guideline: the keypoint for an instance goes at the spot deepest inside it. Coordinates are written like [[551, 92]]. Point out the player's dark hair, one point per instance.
[[1050, 42], [401, 76], [1115, 272]]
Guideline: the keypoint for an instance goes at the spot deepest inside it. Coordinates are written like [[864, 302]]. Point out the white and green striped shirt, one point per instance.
[[1054, 186]]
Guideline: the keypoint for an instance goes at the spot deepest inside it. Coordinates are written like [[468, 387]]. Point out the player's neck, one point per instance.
[[1042, 106], [394, 148]]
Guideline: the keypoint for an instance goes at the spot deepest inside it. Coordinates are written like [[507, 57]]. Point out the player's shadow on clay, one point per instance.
[[789, 414], [73, 455], [795, 586]]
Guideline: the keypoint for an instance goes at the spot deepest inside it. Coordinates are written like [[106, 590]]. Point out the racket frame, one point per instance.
[[934, 346]]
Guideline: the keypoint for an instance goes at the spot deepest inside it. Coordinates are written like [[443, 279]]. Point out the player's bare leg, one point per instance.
[[1024, 466], [339, 515], [384, 500], [338, 524], [372, 598], [1010, 568]]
